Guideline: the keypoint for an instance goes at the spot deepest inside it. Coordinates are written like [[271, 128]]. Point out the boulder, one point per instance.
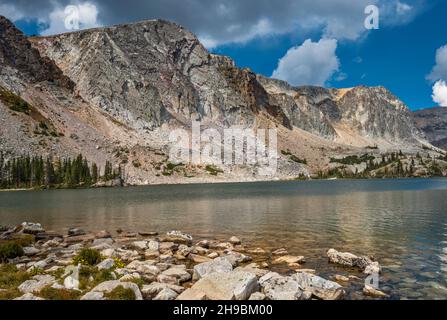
[[373, 292], [235, 240], [227, 285], [179, 273], [280, 252], [30, 251], [289, 260], [32, 228], [166, 295], [36, 284], [109, 286], [192, 295], [106, 264], [71, 281], [74, 232], [198, 259], [257, 296], [144, 267], [236, 258], [130, 277], [28, 297], [253, 268], [319, 287], [366, 264], [276, 287], [142, 245], [153, 245], [179, 237], [184, 250], [218, 265], [93, 296], [155, 288]]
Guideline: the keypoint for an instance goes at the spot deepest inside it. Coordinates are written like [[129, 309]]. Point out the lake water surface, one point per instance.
[[403, 223]]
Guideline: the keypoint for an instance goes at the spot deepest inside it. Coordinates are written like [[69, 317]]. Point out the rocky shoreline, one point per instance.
[[40, 265]]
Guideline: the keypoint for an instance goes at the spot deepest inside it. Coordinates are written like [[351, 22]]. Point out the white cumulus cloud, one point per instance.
[[62, 19], [440, 69], [312, 63], [440, 93]]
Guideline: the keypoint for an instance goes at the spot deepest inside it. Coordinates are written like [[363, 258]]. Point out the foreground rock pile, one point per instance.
[[148, 266]]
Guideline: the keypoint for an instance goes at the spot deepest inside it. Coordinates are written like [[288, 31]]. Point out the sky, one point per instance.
[[398, 44]]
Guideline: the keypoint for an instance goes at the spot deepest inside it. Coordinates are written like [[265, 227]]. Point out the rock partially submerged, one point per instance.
[[365, 264]]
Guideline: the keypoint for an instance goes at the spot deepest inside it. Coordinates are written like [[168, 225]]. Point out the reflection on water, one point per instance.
[[403, 223]]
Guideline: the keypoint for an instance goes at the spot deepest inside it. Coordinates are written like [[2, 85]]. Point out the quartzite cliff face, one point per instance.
[[115, 93]]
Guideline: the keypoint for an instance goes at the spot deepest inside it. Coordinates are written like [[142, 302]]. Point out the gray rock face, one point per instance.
[[433, 123], [129, 86]]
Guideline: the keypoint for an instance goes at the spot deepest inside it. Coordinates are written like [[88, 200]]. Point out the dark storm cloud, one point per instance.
[[218, 21]]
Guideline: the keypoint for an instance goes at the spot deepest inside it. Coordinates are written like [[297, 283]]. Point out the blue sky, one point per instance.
[[332, 44]]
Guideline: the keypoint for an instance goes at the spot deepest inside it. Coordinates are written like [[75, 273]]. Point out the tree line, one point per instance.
[[27, 172]]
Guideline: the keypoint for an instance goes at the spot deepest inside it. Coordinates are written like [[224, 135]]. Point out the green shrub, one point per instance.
[[10, 250], [213, 170], [49, 293], [11, 277], [88, 257], [10, 294], [119, 293], [14, 102]]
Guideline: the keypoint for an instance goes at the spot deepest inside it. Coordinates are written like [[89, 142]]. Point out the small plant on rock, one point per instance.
[[88, 257], [10, 250]]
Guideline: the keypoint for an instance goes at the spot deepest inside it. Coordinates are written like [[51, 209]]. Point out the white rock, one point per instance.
[[166, 295], [106, 264], [319, 287], [192, 295], [179, 273], [179, 236], [36, 284], [130, 277], [235, 240], [153, 245], [142, 245], [108, 253], [145, 267], [277, 287], [289, 259], [257, 296], [29, 297], [228, 285], [30, 251], [217, 265], [71, 281], [155, 288], [93, 296]]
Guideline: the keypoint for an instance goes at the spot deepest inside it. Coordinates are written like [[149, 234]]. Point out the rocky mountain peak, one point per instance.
[[16, 52]]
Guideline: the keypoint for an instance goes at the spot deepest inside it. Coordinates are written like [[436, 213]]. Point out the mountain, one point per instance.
[[117, 93], [433, 123]]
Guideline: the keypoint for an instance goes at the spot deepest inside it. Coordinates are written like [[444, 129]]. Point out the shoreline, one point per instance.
[[172, 266], [219, 183]]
